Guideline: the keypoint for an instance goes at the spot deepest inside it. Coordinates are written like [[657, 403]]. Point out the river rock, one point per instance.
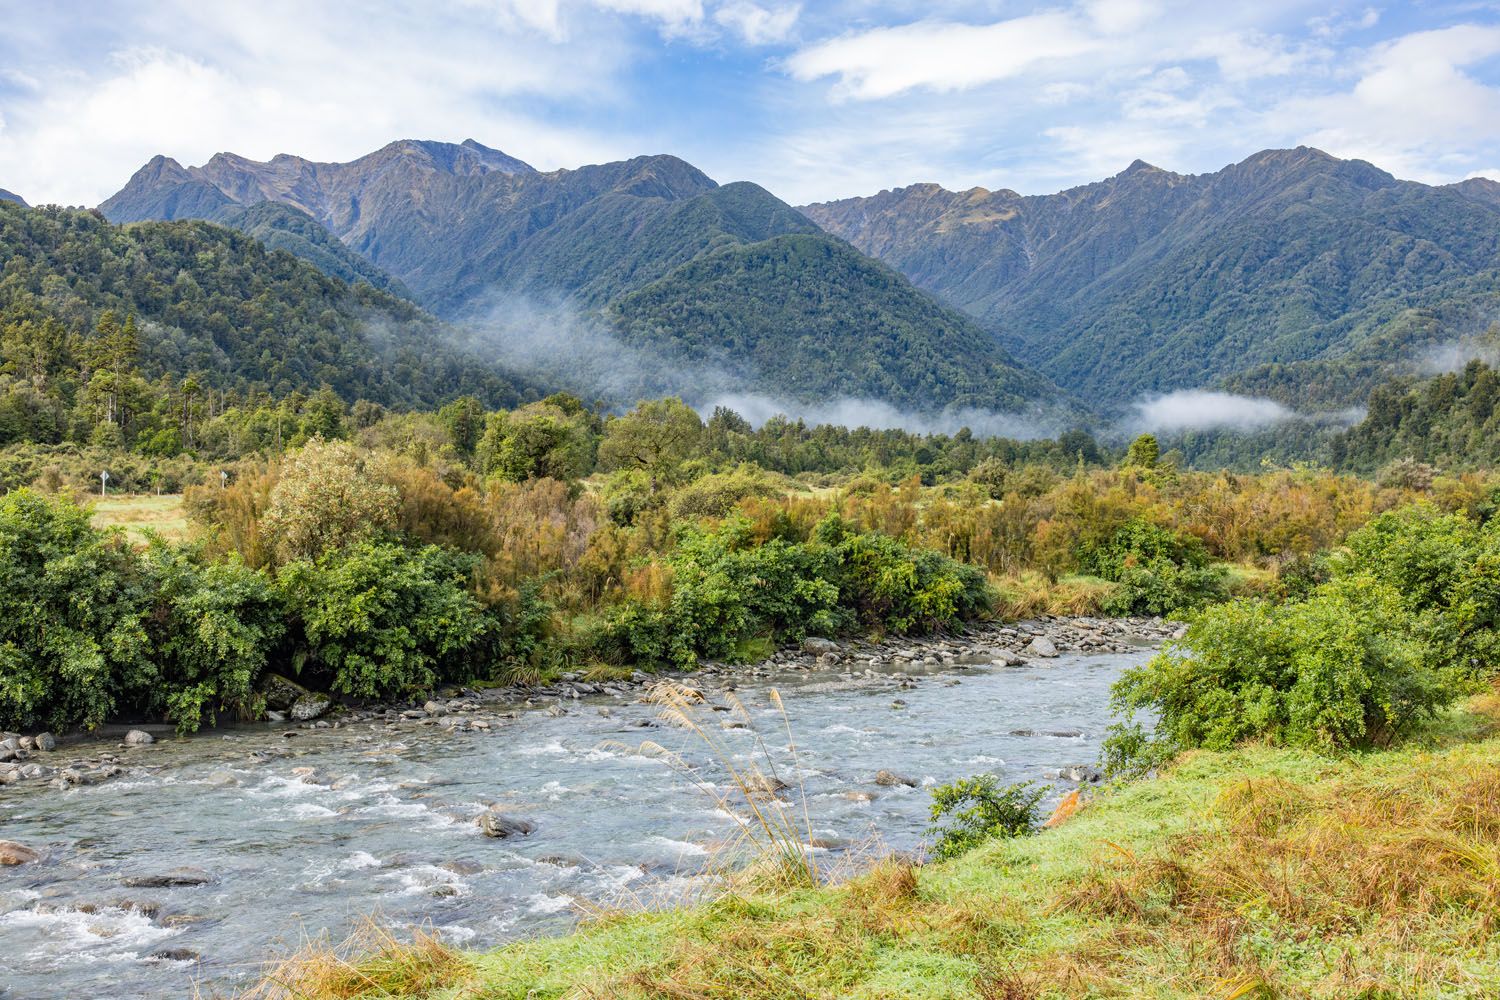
[[1082, 774], [12, 854], [46, 742], [890, 779], [495, 823], [762, 785], [177, 877], [310, 706], [174, 955], [1042, 646], [139, 738], [817, 647], [280, 692]]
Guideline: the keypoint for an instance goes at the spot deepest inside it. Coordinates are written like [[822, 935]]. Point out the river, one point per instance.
[[306, 835]]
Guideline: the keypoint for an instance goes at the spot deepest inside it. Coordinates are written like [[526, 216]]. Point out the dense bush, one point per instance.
[[378, 620], [1339, 670], [73, 645], [1446, 569], [726, 587], [1158, 571], [970, 811], [213, 627], [327, 498], [894, 587]]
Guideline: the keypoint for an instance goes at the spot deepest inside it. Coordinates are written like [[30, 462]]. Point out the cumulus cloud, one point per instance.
[[1418, 100]]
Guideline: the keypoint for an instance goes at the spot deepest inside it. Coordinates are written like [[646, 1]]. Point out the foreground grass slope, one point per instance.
[[1254, 873]]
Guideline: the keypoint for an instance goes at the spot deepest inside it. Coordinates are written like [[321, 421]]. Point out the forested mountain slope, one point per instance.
[[1292, 273], [217, 304], [651, 248]]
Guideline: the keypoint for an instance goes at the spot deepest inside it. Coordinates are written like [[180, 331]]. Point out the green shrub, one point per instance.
[[72, 600], [1446, 569], [212, 628], [1340, 670], [726, 589], [894, 587], [719, 494], [377, 620], [970, 811], [1159, 571]]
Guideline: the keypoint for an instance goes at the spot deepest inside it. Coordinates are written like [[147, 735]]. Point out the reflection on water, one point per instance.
[[305, 834]]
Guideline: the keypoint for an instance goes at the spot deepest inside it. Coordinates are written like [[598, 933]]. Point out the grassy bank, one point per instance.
[[1254, 873], [138, 512]]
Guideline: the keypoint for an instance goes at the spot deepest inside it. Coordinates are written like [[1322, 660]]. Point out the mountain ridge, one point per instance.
[[469, 230], [1288, 258]]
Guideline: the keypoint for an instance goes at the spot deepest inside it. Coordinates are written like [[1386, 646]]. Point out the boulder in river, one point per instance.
[[177, 877], [758, 785], [46, 742], [1042, 646], [817, 647], [310, 706], [1083, 774], [139, 738], [890, 779], [12, 854], [281, 692], [495, 823]]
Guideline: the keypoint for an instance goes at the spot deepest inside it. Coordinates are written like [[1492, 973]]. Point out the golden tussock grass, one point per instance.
[[371, 963]]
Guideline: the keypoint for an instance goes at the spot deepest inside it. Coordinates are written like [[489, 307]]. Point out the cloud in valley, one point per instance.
[[1202, 409]]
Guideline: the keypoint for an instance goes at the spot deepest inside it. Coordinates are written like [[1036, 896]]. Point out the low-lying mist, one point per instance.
[[1189, 410], [553, 341]]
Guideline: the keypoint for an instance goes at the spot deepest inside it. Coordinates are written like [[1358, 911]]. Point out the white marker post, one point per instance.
[[103, 479], [223, 479]]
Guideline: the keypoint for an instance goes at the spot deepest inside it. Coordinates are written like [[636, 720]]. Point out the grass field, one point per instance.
[[1257, 873], [139, 512]]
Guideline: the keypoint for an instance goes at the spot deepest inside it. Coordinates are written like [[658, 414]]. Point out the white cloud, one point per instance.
[[316, 80], [1414, 101], [1199, 409], [757, 24], [943, 56], [672, 13]]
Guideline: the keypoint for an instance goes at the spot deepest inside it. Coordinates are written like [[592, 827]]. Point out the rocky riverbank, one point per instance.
[[86, 759]]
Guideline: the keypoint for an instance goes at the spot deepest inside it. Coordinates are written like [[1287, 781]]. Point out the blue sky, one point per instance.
[[814, 100]]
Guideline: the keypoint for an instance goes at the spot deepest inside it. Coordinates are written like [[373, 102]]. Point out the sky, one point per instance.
[[813, 100]]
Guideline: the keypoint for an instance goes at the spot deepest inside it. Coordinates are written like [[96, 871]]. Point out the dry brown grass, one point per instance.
[[371, 963], [1368, 861]]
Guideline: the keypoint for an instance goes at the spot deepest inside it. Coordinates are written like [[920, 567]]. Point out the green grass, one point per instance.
[[138, 512], [1256, 873]]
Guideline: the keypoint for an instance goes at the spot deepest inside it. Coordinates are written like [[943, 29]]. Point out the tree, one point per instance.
[[656, 437], [1144, 453], [325, 500], [464, 420]]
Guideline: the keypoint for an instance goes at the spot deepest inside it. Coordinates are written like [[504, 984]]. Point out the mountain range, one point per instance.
[[727, 283], [1293, 273], [11, 197]]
